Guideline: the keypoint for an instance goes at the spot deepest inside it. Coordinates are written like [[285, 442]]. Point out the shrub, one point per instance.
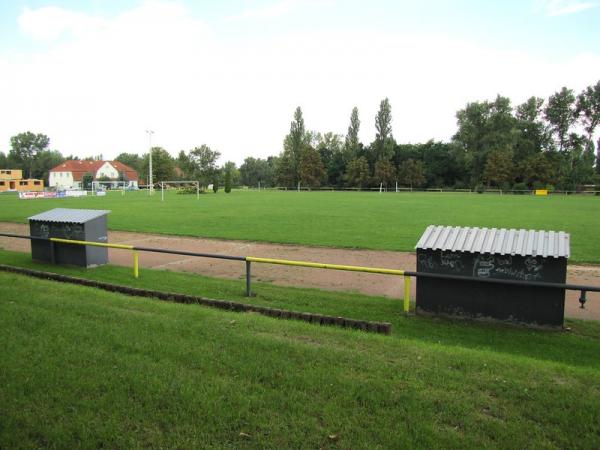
[[520, 188], [480, 188], [215, 185], [228, 181], [189, 190]]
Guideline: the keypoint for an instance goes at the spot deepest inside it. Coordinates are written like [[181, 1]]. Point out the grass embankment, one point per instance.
[[336, 219], [98, 369]]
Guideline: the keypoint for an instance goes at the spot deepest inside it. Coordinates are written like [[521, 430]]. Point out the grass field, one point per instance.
[[96, 369], [337, 219]]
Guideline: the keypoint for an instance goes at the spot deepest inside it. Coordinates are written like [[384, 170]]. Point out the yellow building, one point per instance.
[[12, 180], [11, 174]]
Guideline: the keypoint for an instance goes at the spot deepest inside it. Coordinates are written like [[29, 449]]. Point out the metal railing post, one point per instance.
[[406, 294], [136, 264], [52, 252], [248, 279]]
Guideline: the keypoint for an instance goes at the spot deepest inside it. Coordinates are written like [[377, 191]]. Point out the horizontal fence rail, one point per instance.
[[406, 274]]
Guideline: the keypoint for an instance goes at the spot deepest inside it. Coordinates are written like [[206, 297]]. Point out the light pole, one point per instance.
[[150, 182]]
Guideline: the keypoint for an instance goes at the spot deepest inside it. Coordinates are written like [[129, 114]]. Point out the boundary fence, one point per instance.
[[248, 260], [392, 189]]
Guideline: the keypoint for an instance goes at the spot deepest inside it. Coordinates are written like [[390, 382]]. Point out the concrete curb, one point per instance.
[[364, 325]]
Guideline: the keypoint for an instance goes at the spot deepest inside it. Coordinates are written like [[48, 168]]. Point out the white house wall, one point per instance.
[[62, 180], [107, 170]]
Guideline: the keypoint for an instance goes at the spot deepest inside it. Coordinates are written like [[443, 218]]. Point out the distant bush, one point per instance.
[[480, 188], [189, 190], [227, 181], [521, 188], [215, 186], [539, 185]]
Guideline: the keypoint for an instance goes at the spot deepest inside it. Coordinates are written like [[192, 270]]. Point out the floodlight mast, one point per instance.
[[150, 182]]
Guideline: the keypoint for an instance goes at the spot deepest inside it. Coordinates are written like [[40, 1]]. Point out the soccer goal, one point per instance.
[[116, 185], [165, 185]]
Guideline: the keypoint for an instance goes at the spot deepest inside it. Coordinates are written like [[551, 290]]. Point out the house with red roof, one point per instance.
[[69, 174]]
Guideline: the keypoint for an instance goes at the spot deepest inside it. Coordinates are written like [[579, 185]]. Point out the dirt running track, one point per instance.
[[373, 284]]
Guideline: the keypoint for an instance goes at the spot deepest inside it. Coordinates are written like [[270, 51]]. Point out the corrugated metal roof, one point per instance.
[[497, 241], [69, 215]]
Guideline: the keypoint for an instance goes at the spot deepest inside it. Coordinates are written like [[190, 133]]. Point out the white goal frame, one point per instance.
[[112, 184], [192, 182]]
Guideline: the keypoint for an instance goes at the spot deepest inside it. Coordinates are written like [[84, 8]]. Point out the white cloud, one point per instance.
[[155, 66], [50, 22], [562, 7], [267, 12]]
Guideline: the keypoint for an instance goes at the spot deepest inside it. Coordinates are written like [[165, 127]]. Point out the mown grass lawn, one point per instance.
[[370, 220], [84, 367]]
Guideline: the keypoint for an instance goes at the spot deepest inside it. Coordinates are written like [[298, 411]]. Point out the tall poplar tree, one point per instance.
[[384, 145], [560, 113], [351, 143]]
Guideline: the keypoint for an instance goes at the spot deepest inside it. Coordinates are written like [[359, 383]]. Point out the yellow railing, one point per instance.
[[286, 262], [102, 244], [250, 259]]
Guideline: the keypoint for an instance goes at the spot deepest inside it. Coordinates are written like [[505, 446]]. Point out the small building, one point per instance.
[[69, 174], [491, 253], [73, 224], [11, 180], [11, 174]]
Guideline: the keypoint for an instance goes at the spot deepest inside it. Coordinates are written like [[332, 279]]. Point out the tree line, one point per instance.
[[30, 152], [540, 143]]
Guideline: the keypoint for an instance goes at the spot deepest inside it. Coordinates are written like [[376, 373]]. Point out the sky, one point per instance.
[[95, 75]]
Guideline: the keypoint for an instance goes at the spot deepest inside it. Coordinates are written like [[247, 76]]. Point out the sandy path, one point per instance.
[[373, 284]]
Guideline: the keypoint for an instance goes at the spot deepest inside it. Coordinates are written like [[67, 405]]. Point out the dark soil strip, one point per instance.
[[374, 327]]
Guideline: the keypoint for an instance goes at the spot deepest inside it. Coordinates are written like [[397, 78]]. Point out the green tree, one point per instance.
[[227, 180], [357, 172], [132, 160], [412, 173], [257, 171], [233, 171], [86, 181], [351, 143], [588, 108], [598, 157], [293, 147], [331, 149], [384, 172], [383, 146], [482, 128], [499, 168], [285, 171], [535, 168], [203, 164], [311, 169], [561, 114], [3, 161], [533, 137], [444, 163], [25, 147], [163, 166], [215, 181], [44, 161]]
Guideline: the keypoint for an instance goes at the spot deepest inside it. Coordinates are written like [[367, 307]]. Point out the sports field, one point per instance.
[[389, 221], [104, 370]]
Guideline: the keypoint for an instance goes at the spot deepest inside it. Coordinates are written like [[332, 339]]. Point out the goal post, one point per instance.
[[121, 185], [164, 184]]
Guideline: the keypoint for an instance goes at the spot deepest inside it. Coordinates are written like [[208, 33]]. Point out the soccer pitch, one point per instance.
[[369, 220]]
